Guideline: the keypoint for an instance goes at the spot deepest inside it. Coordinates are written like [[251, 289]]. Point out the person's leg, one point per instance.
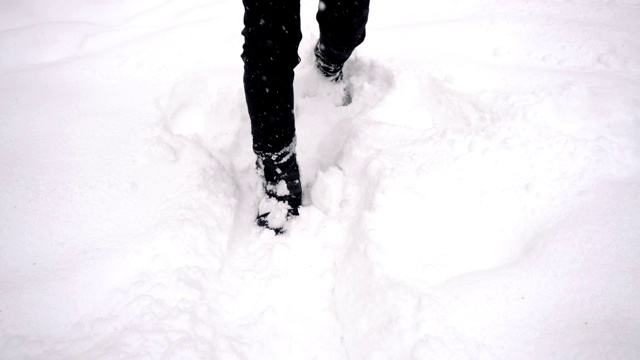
[[270, 53], [342, 29]]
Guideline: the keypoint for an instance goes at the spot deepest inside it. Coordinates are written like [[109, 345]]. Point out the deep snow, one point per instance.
[[479, 199]]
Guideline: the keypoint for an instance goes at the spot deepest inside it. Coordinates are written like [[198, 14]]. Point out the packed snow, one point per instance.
[[478, 199]]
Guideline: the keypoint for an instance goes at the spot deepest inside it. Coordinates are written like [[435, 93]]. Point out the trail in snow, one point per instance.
[[478, 199]]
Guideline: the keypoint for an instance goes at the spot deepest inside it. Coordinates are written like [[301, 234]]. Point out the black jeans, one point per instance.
[[270, 53]]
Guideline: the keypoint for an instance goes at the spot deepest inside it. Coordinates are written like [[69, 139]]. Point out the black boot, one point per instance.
[[282, 187], [330, 70]]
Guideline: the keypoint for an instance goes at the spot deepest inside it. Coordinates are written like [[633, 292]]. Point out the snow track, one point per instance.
[[479, 199]]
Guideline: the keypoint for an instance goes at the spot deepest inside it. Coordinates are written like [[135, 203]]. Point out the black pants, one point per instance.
[[270, 53]]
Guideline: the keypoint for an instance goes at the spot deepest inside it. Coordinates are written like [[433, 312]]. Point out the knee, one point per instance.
[[271, 41], [269, 53]]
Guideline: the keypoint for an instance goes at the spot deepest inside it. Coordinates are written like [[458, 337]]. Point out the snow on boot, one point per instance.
[[326, 67], [332, 71], [282, 188]]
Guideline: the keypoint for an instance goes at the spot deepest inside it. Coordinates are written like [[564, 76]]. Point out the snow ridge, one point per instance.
[[478, 199]]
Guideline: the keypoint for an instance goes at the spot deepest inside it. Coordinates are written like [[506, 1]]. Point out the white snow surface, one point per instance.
[[479, 199]]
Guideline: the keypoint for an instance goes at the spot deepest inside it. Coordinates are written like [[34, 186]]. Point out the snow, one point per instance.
[[478, 199]]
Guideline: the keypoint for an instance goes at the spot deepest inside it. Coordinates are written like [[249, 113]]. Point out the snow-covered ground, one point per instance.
[[479, 199]]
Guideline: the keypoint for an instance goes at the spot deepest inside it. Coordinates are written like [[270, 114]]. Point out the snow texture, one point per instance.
[[478, 199]]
